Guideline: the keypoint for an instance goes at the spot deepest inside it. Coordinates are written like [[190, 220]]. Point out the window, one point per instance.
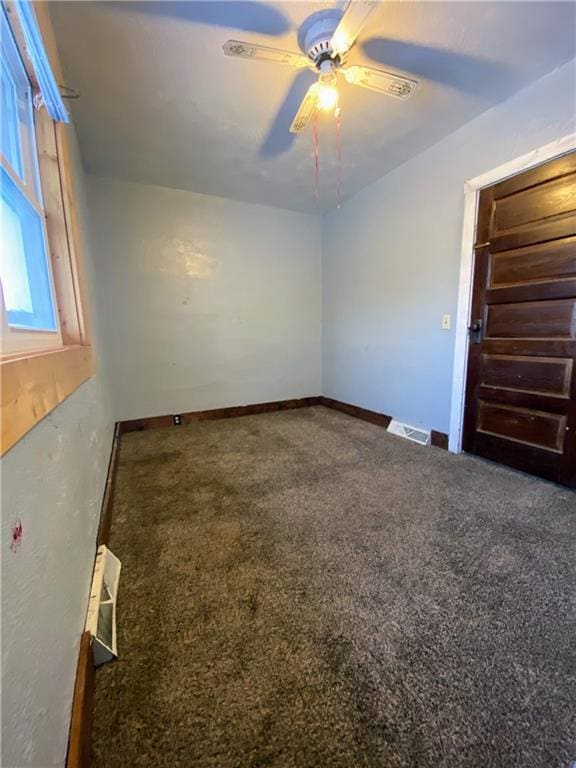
[[45, 350], [25, 275]]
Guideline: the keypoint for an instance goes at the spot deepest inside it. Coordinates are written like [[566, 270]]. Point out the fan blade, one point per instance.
[[350, 25], [278, 139], [384, 82], [306, 110], [263, 53]]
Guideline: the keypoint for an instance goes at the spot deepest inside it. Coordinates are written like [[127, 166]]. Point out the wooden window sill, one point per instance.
[[33, 384]]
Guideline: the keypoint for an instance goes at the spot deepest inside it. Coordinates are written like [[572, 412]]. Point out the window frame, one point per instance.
[[44, 371], [25, 179]]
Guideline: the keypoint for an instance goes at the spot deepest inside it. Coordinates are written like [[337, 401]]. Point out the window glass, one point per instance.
[[24, 272], [10, 140], [17, 141]]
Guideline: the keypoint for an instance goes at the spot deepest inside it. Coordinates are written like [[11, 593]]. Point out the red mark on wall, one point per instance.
[[16, 536]]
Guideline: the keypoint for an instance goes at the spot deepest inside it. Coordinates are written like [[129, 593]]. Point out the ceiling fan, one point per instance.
[[325, 39]]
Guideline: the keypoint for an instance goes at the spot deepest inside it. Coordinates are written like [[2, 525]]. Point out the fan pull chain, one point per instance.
[[315, 139], [338, 115]]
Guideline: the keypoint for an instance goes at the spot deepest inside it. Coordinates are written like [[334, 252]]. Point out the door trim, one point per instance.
[[471, 194]]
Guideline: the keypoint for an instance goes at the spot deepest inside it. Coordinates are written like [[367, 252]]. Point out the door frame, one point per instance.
[[472, 190]]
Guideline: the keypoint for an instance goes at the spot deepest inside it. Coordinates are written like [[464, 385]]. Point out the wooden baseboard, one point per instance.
[[439, 439], [355, 410], [106, 510], [79, 744], [80, 738], [153, 422]]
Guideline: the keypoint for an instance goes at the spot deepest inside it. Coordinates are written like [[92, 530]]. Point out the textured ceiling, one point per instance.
[[161, 104]]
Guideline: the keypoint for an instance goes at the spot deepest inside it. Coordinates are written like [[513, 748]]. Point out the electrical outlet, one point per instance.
[[177, 419], [445, 322]]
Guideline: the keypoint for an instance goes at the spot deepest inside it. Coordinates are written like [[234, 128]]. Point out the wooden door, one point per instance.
[[521, 386]]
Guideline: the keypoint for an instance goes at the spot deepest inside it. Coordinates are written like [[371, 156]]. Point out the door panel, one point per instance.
[[521, 388], [553, 199], [522, 373], [534, 264], [523, 425], [536, 232], [531, 320]]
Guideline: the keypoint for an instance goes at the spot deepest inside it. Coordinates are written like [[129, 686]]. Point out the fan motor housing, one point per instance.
[[315, 36]]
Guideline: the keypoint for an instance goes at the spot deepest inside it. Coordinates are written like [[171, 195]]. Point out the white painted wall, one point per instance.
[[205, 302], [52, 480], [391, 256]]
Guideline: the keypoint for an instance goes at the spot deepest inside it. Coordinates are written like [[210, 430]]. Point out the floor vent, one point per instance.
[[420, 436], [101, 619]]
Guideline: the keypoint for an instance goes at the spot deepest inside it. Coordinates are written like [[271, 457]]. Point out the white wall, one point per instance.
[[205, 302], [52, 480], [391, 254]]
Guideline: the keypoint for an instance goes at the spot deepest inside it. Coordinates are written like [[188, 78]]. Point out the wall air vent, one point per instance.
[[420, 436]]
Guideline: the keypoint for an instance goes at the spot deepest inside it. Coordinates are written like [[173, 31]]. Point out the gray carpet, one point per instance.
[[302, 589]]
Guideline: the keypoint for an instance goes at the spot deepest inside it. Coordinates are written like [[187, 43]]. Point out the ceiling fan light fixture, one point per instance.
[[325, 39], [327, 97], [327, 70]]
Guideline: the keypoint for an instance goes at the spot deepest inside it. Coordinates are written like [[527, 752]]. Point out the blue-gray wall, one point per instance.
[[204, 302], [53, 482], [391, 259]]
